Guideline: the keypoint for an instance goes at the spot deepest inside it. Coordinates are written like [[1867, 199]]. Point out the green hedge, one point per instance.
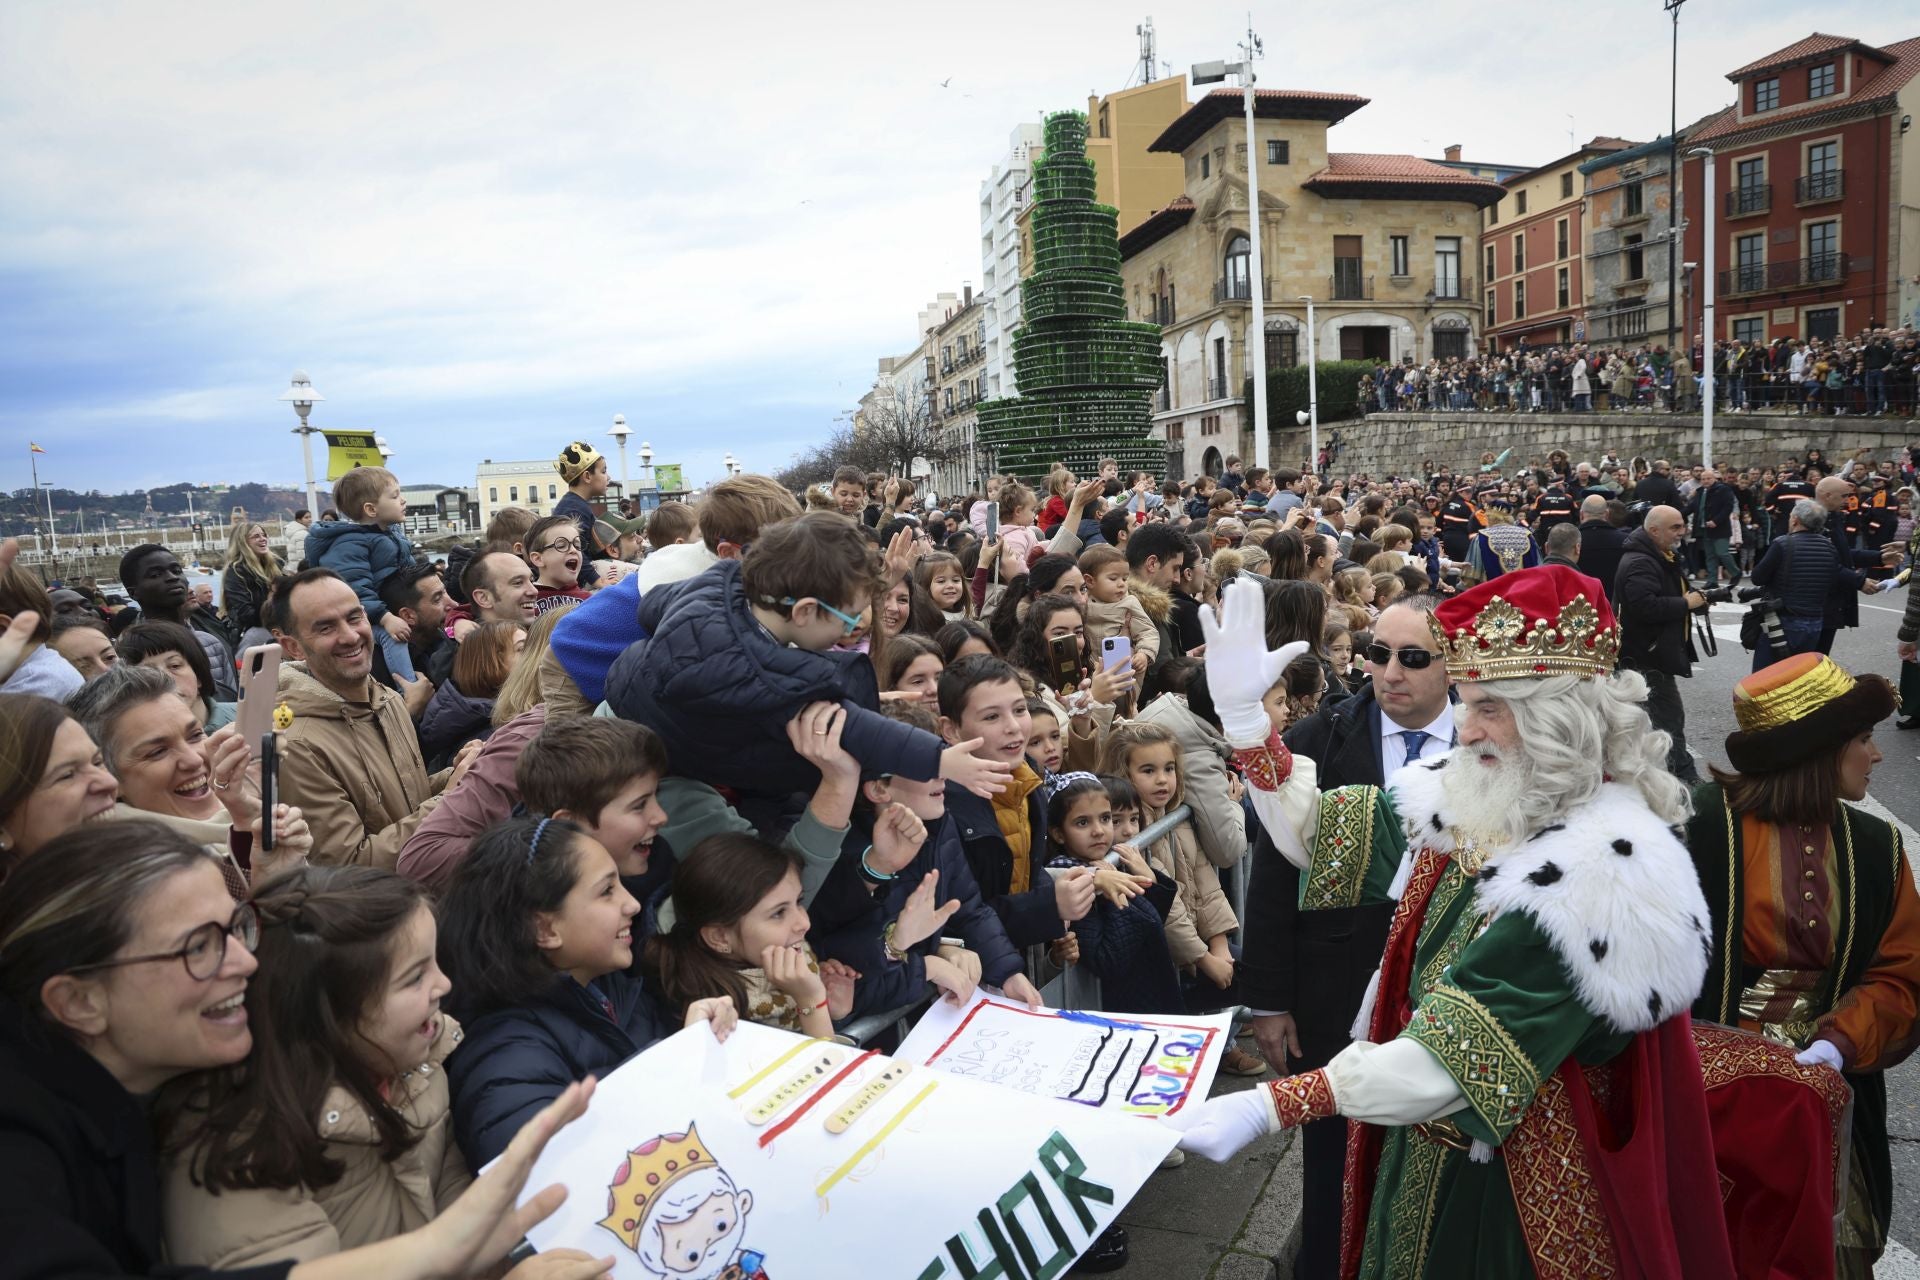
[[1339, 391]]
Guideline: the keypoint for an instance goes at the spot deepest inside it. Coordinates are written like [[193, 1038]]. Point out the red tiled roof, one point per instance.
[[1814, 45], [1883, 85], [1268, 104], [1158, 226], [1361, 175]]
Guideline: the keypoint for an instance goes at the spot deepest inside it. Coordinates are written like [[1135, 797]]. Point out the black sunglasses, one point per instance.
[[1410, 658]]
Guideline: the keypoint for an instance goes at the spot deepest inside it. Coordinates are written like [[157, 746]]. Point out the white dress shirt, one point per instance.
[[1393, 747]]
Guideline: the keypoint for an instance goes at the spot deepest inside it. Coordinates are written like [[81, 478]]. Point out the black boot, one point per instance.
[[1107, 1253]]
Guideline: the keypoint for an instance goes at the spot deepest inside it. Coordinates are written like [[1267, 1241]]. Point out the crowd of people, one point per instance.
[[1869, 374], [1253, 743]]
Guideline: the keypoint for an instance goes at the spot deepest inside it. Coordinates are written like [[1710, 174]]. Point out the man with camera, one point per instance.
[[1654, 605]]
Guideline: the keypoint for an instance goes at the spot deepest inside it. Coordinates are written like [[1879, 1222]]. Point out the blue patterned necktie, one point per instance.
[[1416, 739]]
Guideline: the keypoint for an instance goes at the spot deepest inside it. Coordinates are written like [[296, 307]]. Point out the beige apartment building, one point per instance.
[[1384, 245]]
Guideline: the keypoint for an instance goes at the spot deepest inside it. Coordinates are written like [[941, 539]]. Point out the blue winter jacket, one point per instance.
[[1031, 917], [365, 555], [513, 1062], [719, 690], [848, 920]]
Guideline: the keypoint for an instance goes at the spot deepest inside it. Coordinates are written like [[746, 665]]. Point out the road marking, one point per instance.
[[1897, 1263]]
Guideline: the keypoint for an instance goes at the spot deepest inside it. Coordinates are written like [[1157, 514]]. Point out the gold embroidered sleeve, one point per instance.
[[1356, 850], [1492, 1070]]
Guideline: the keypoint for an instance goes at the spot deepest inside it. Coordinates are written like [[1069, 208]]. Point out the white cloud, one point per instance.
[[432, 203]]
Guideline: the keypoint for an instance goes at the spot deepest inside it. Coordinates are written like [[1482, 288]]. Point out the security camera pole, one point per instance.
[[1214, 73]]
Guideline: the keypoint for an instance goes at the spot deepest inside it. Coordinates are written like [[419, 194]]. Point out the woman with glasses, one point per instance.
[[124, 967]]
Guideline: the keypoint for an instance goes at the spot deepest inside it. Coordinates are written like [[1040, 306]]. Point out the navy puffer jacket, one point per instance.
[[452, 719], [515, 1061], [719, 690]]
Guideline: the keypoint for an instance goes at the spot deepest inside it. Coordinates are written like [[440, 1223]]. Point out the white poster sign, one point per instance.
[[775, 1156], [1121, 1062]]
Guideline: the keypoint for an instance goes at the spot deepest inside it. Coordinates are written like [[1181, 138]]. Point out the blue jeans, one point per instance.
[[399, 658], [1802, 635], [1877, 390]]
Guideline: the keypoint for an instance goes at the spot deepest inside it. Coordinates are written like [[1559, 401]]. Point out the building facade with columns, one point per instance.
[[1384, 245]]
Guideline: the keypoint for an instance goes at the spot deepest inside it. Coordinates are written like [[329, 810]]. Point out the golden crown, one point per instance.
[[648, 1170], [1500, 645]]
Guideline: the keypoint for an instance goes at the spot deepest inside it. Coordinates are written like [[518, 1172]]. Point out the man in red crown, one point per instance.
[[1530, 1096]]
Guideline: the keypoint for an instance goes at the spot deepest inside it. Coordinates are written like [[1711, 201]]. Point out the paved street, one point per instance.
[[1226, 1221]]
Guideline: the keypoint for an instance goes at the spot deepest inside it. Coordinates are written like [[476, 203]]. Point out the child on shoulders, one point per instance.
[[365, 547]]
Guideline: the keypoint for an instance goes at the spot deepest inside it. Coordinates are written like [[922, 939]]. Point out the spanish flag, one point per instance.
[[34, 448]]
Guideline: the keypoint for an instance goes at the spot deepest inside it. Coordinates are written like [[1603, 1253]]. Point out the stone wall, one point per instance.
[[1395, 443]]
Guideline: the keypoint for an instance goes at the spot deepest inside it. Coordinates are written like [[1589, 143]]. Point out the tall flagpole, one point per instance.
[[53, 535]]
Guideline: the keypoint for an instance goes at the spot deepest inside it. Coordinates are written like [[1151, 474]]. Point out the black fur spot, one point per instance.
[[1697, 926], [1544, 831], [1546, 875], [1487, 873], [1623, 847], [1599, 948], [1653, 1005], [1437, 824], [1441, 763]]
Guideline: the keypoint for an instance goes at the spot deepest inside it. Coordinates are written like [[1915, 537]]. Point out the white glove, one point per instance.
[[1240, 668], [1219, 1127], [1822, 1052]]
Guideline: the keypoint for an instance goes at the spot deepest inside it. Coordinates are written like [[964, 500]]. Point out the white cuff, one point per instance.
[[1398, 1082]]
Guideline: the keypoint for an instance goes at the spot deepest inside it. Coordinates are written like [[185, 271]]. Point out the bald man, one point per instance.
[[1850, 582]]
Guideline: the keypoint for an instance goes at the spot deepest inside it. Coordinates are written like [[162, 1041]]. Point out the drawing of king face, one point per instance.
[[678, 1210]]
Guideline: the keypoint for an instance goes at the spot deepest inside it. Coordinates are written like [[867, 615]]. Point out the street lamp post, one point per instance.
[[1213, 73], [732, 465], [649, 487], [1708, 331], [620, 432], [1313, 392], [303, 397], [1673, 172]]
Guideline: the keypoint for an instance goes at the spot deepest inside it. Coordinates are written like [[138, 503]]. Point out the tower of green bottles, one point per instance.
[[1086, 374]]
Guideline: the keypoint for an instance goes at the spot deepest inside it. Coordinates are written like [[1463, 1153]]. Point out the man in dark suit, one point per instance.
[[1601, 541], [1304, 973], [1851, 581]]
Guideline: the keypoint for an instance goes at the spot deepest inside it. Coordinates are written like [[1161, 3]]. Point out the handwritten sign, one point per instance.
[[1142, 1066], [777, 1156]]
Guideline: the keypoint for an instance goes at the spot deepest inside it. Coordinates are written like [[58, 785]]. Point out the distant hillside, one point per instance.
[[23, 512]]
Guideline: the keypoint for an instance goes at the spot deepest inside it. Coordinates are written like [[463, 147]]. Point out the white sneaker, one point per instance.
[[1175, 1158]]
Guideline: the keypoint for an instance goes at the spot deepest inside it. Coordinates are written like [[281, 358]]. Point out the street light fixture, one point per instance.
[[303, 397], [1213, 73], [732, 465], [386, 450], [620, 432]]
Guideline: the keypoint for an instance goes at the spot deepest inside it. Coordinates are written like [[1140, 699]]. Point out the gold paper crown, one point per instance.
[[1499, 644], [1788, 691], [648, 1170]]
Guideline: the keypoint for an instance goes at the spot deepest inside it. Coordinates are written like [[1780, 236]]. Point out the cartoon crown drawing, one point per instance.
[[648, 1170]]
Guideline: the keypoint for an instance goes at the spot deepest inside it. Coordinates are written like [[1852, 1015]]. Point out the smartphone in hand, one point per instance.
[[269, 755], [259, 693], [1063, 660]]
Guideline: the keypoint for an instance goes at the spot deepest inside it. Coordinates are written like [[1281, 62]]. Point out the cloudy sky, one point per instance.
[[485, 228]]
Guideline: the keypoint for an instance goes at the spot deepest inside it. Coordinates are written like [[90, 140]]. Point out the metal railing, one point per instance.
[[1217, 387], [1159, 311], [1230, 289], [1830, 185], [1162, 400], [1454, 290], [1754, 197], [1795, 273], [1347, 284]]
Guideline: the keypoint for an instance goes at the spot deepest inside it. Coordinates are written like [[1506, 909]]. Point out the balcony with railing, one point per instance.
[[1816, 187], [1162, 400], [1240, 288], [1217, 387], [1159, 311], [1347, 284], [969, 355], [1795, 273], [1452, 289], [1754, 197]]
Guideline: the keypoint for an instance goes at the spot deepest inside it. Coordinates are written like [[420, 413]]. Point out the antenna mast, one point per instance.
[[1145, 32]]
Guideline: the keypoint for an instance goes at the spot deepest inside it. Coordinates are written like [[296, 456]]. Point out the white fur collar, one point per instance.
[[1610, 885]]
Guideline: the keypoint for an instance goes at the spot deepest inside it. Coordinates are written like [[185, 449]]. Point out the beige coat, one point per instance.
[[373, 1200], [215, 836], [354, 768], [1125, 618], [1200, 907], [1220, 823]]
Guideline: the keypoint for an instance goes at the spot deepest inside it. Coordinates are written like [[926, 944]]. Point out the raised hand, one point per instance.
[[985, 778], [1240, 667], [919, 918], [839, 980], [897, 837]]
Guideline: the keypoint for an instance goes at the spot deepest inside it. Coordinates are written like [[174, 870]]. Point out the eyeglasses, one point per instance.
[[205, 950], [563, 544], [1410, 658], [851, 623]]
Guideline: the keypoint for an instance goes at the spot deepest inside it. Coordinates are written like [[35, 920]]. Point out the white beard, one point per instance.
[[1485, 801]]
